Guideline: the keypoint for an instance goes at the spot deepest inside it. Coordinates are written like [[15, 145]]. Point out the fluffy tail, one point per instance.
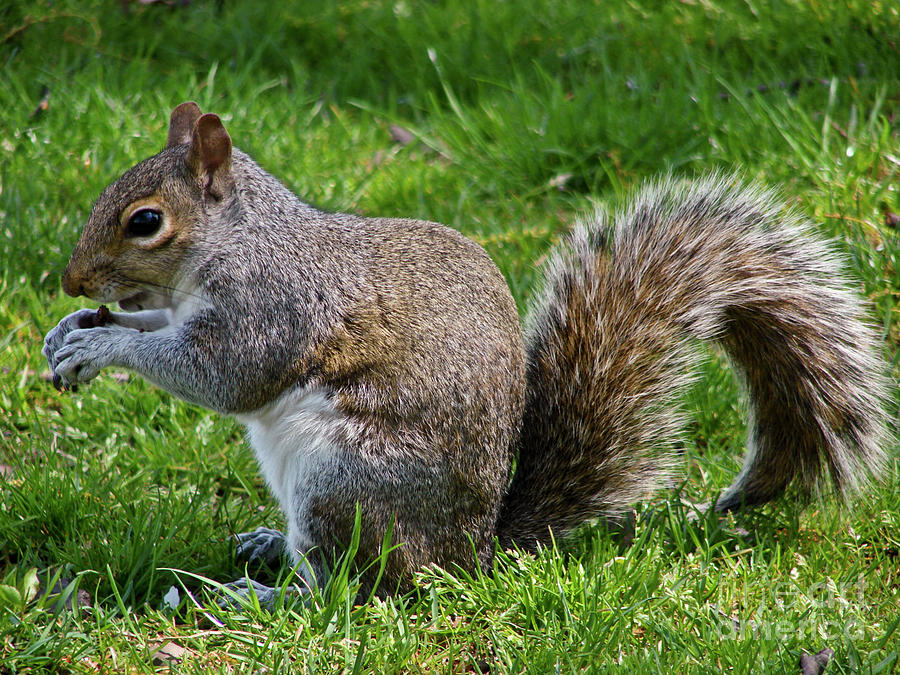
[[611, 347]]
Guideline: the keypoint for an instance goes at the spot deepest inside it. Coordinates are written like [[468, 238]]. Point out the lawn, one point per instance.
[[505, 120]]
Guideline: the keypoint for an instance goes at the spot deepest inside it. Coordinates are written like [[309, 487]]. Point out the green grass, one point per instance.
[[524, 115]]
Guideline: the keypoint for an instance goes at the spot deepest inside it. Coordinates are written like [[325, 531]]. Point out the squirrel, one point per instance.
[[381, 370]]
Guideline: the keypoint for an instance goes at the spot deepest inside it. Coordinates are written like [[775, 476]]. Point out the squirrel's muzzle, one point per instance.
[[72, 282]]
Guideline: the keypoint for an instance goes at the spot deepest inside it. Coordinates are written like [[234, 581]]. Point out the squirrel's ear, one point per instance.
[[181, 123], [209, 156]]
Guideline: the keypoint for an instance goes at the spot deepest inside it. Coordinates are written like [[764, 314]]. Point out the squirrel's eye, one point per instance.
[[143, 223]]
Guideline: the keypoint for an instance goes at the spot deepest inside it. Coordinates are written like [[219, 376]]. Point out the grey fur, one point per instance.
[[401, 340]]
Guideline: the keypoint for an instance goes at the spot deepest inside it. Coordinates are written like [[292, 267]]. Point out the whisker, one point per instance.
[[169, 290]]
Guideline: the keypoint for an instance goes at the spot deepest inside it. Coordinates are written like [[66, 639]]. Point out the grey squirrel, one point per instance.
[[379, 363]]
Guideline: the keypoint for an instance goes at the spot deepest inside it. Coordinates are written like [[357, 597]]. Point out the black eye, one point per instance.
[[143, 223]]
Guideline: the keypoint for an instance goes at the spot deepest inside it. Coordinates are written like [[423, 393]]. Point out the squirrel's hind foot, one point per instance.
[[262, 545], [239, 593]]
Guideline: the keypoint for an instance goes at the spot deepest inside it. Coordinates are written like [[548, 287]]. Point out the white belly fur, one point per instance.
[[295, 437]]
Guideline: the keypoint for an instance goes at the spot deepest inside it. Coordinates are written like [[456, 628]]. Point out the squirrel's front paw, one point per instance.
[[56, 337], [84, 352]]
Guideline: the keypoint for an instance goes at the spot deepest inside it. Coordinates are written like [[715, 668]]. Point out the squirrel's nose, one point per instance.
[[71, 284]]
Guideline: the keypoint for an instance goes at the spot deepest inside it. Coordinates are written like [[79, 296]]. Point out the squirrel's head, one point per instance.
[[142, 226]]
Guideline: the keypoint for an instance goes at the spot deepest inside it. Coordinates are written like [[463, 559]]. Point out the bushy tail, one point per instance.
[[611, 347]]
